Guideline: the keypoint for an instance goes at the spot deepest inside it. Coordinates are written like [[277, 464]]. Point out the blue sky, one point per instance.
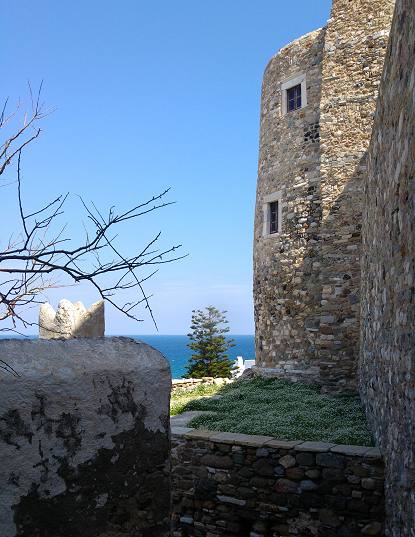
[[148, 95]]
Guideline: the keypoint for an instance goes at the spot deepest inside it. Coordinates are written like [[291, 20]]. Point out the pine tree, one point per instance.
[[208, 329]]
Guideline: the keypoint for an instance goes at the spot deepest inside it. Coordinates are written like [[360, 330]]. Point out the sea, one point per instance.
[[175, 349]]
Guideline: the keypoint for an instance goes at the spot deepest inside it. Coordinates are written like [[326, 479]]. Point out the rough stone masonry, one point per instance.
[[312, 162], [387, 360], [84, 439], [237, 485]]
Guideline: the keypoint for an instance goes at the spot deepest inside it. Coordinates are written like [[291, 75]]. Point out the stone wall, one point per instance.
[[387, 361], [191, 384], [355, 47], [307, 278], [235, 485], [84, 439], [284, 295]]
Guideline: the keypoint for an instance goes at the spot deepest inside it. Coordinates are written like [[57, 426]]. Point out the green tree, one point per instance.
[[207, 336]]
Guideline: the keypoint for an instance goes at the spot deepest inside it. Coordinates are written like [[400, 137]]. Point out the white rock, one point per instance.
[[71, 320]]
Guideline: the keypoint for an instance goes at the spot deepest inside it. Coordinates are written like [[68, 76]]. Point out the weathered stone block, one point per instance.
[[282, 444], [295, 473], [205, 489], [263, 468], [286, 486], [330, 460], [217, 461], [329, 518], [305, 459], [351, 451], [231, 500], [308, 485], [368, 483], [287, 461], [332, 474], [84, 439], [313, 473], [314, 447]]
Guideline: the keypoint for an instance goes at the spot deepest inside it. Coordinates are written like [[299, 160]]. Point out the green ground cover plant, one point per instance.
[[181, 398], [285, 410]]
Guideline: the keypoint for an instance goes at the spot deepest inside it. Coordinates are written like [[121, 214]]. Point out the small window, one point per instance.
[[273, 217], [272, 214], [293, 94], [294, 98]]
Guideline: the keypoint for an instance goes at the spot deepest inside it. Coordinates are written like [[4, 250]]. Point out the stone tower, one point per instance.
[[318, 99]]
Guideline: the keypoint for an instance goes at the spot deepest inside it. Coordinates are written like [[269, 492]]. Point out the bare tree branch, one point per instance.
[[37, 260]]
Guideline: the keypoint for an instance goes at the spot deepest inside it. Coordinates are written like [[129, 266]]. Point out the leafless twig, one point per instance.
[[36, 260]]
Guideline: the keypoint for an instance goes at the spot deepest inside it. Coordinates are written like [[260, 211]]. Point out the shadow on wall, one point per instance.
[[322, 301], [334, 338]]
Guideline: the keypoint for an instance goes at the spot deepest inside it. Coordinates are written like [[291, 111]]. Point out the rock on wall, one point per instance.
[[84, 439], [307, 277], [237, 485], [387, 360]]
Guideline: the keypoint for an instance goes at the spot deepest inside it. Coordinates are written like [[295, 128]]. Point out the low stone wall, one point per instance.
[[84, 439], [189, 384], [256, 486]]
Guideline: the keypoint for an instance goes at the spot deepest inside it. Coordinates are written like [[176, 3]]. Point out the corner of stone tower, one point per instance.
[[318, 99], [347, 8]]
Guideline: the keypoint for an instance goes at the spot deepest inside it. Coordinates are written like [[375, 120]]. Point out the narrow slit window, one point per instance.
[[272, 214], [273, 217], [294, 98]]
